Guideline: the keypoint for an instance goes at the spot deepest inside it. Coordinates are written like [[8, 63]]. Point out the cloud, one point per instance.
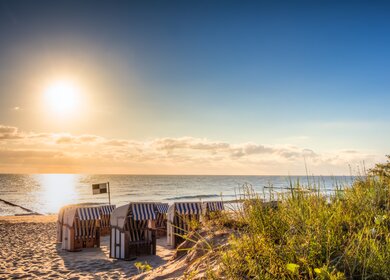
[[116, 142], [9, 132], [8, 129], [183, 155], [170, 144], [22, 155], [70, 139], [65, 139]]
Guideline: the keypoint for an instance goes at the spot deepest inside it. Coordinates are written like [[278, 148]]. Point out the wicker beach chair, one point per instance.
[[211, 208], [161, 219], [131, 232], [183, 217], [81, 228], [105, 214]]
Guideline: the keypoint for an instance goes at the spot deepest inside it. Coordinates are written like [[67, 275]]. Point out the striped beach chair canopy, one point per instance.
[[106, 209], [88, 213], [162, 208], [185, 208], [214, 205], [143, 211]]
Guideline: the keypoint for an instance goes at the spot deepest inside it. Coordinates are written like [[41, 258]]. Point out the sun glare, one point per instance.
[[57, 190], [62, 97]]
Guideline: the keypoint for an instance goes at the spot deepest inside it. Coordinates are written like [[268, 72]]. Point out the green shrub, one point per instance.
[[142, 267]]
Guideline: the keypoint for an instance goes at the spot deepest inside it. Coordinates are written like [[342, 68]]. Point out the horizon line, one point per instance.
[[158, 174]]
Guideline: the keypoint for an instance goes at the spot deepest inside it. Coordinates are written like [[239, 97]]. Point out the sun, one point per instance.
[[62, 97]]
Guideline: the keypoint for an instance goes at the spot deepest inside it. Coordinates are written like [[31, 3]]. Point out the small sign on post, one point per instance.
[[102, 188]]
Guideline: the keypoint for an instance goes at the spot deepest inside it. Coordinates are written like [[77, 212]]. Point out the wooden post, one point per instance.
[[109, 196]]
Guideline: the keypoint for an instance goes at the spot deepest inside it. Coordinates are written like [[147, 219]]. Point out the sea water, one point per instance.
[[46, 193]]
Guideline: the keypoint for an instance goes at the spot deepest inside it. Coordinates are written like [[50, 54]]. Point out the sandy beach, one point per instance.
[[28, 250]]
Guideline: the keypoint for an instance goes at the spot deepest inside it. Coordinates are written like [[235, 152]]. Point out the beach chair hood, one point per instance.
[[83, 213], [88, 213], [213, 205], [118, 216], [162, 208], [69, 216], [143, 211], [139, 212], [106, 209], [61, 213], [185, 208], [60, 216]]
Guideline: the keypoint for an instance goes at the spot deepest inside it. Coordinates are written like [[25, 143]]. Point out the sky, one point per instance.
[[194, 87]]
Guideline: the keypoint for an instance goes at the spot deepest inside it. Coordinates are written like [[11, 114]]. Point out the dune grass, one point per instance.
[[309, 235]]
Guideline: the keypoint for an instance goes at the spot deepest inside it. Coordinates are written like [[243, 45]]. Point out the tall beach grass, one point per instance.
[[310, 235]]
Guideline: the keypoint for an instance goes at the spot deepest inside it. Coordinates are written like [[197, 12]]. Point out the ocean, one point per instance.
[[47, 193]]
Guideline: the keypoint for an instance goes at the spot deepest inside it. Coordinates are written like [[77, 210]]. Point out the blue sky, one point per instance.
[[310, 74]]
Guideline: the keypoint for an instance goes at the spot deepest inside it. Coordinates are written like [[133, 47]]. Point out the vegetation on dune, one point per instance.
[[309, 235]]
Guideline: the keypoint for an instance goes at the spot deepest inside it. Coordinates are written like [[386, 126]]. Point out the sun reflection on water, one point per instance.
[[57, 190]]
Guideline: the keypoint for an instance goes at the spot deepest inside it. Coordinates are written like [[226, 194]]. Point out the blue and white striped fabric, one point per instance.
[[88, 213], [106, 209], [188, 208], [215, 205], [162, 208], [143, 211]]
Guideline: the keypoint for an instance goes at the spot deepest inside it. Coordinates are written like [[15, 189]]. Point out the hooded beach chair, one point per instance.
[[105, 214], [182, 218], [131, 232], [161, 219], [81, 228], [209, 207]]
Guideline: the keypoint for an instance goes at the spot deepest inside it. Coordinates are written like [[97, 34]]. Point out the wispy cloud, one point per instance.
[[53, 152], [70, 139], [9, 132]]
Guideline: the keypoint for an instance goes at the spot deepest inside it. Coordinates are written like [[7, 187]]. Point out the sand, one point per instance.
[[28, 250]]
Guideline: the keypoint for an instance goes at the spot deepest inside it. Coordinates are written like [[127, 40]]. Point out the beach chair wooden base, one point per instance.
[[79, 244], [130, 250], [105, 231], [141, 248]]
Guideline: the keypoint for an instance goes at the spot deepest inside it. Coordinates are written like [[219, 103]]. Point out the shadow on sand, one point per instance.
[[97, 261]]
